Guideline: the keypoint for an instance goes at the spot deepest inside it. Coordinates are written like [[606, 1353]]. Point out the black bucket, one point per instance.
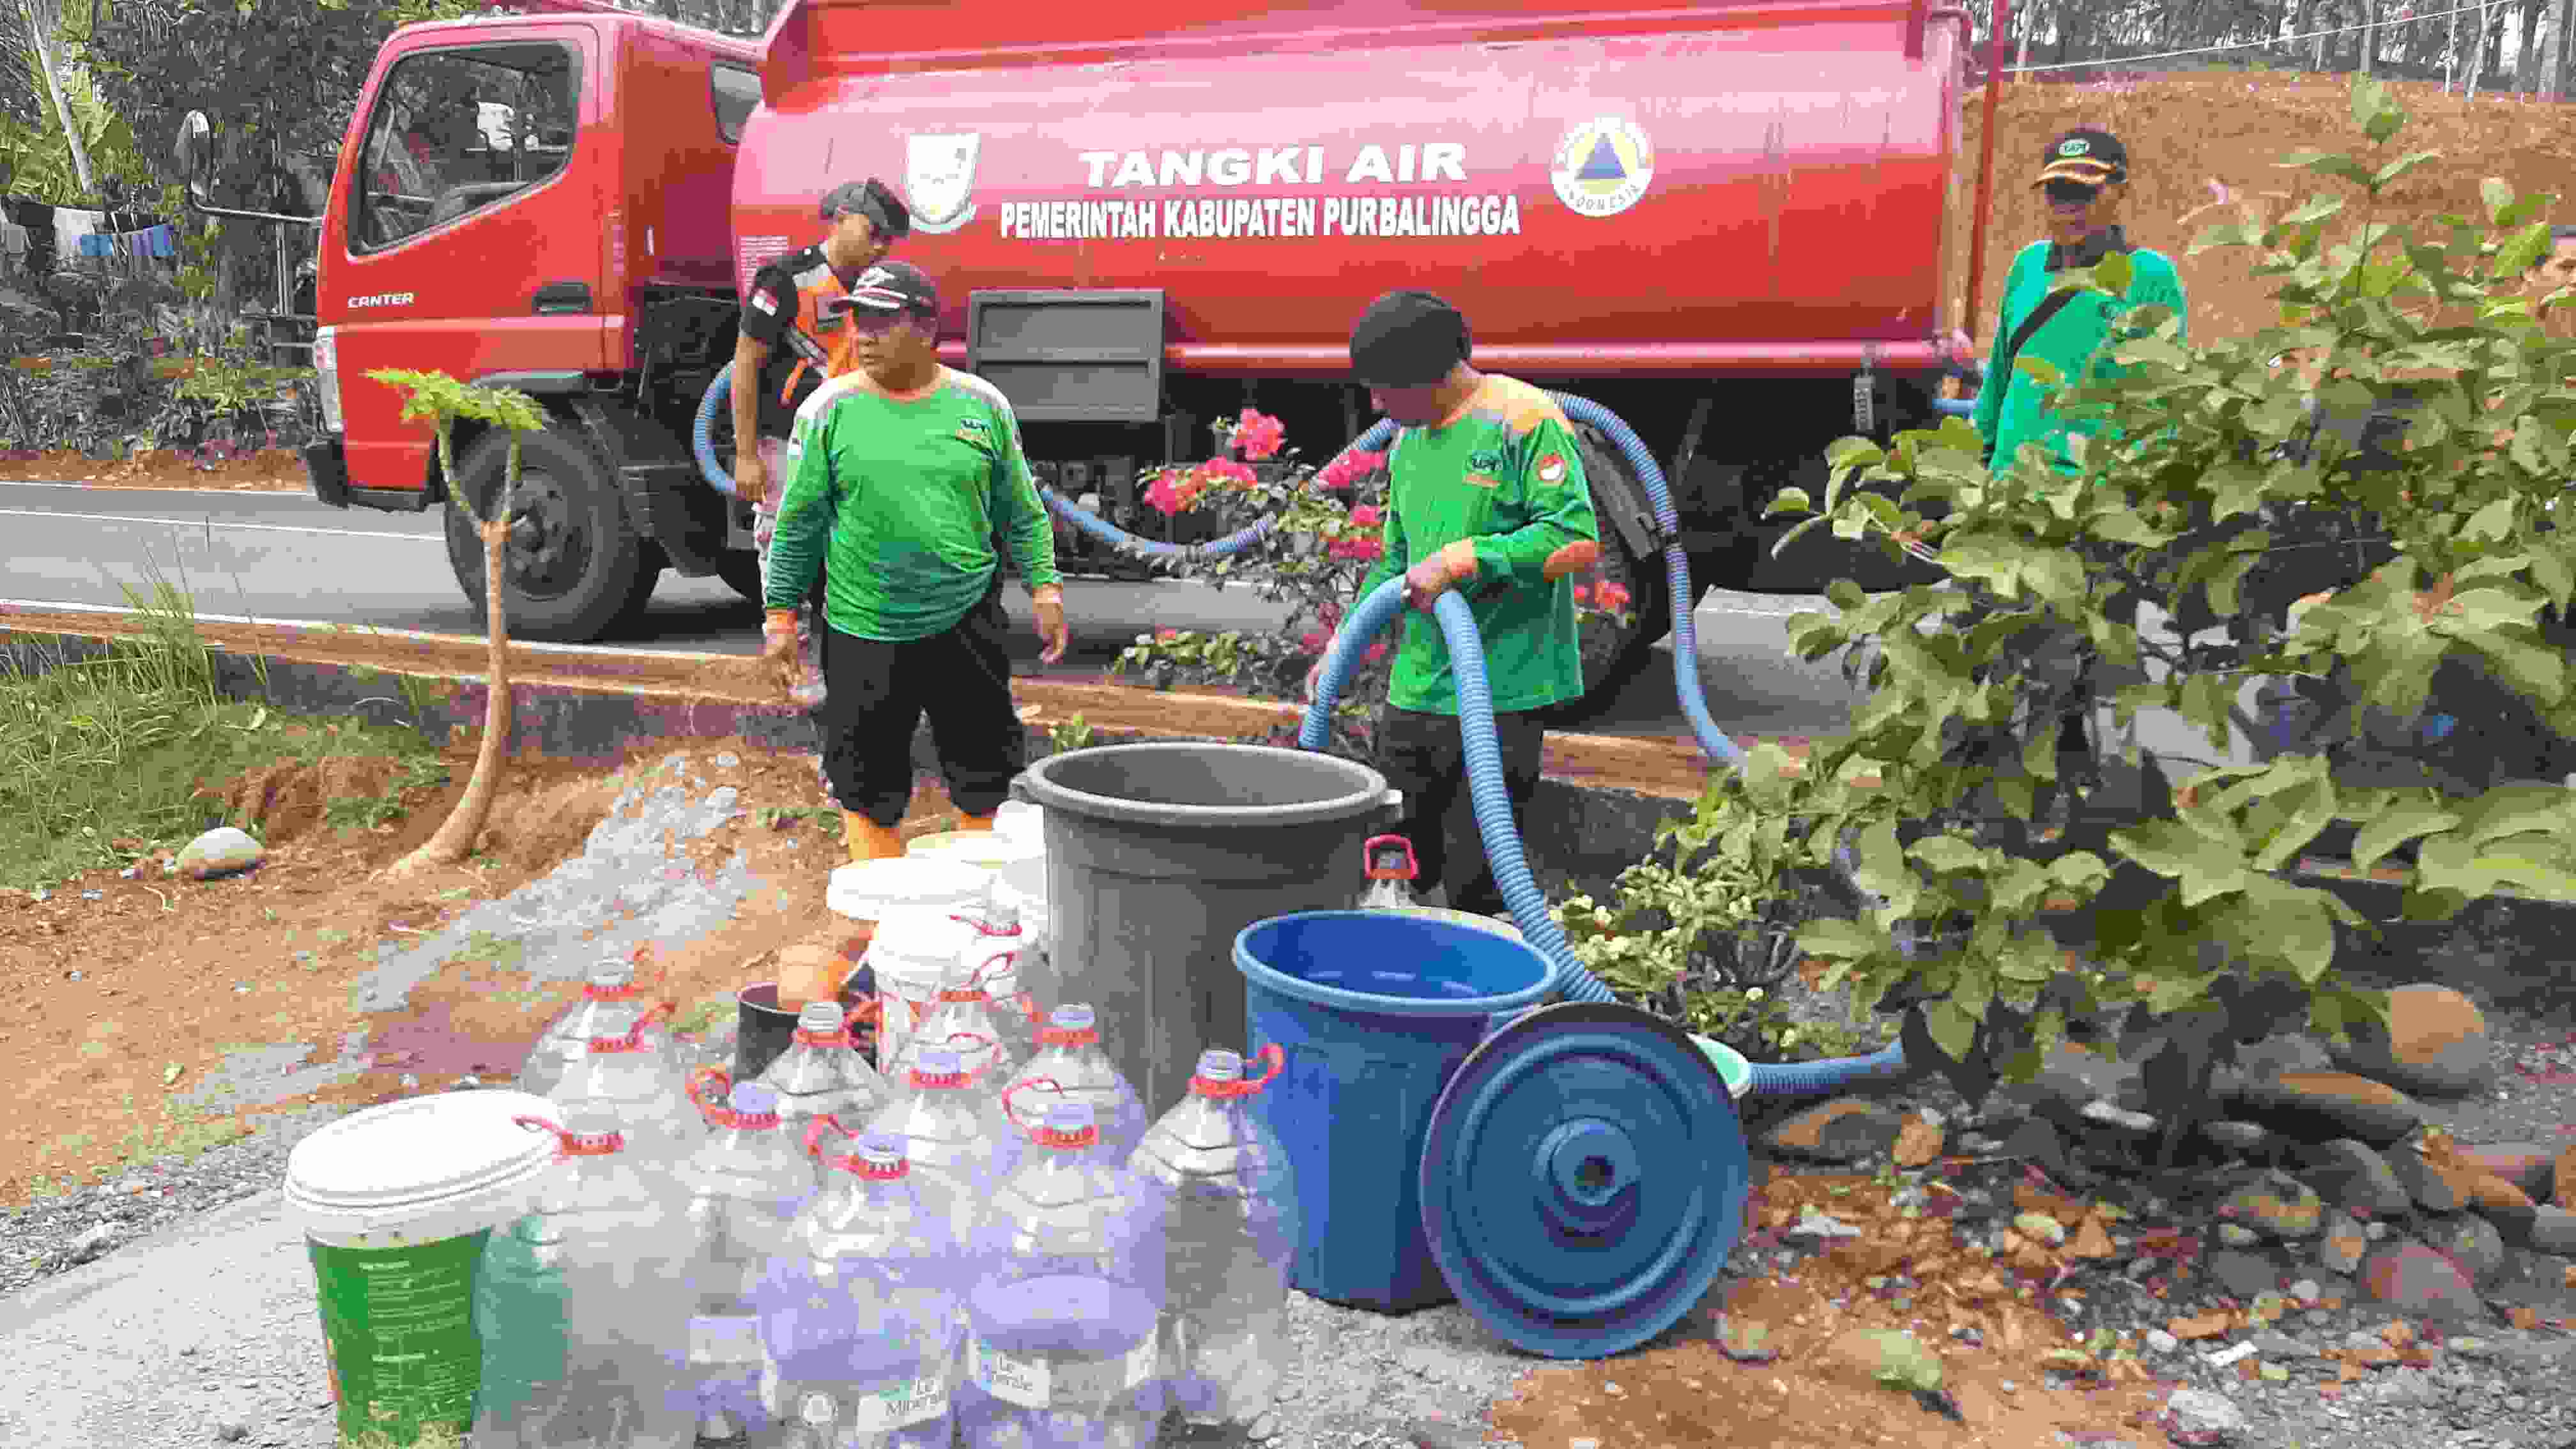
[[764, 1033]]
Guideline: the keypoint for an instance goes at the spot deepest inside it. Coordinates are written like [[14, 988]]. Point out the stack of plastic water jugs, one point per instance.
[[1008, 1253]]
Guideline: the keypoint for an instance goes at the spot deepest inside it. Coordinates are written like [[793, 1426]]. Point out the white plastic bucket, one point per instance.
[[397, 1204], [1021, 821], [915, 950]]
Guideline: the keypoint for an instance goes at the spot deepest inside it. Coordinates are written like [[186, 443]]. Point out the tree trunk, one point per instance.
[[454, 840], [2526, 51], [2478, 49], [2553, 57], [2325, 21], [40, 35]]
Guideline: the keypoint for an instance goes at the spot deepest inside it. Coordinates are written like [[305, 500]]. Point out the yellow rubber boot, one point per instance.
[[867, 840], [975, 822]]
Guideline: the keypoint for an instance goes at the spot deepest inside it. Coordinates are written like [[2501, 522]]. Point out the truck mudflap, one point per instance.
[[674, 507], [326, 464]]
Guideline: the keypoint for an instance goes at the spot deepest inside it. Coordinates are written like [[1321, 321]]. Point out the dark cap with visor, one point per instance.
[[2086, 156], [891, 287], [872, 199], [1408, 339]]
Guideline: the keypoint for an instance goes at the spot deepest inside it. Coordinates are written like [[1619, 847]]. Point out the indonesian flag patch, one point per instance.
[[765, 302], [1551, 469]]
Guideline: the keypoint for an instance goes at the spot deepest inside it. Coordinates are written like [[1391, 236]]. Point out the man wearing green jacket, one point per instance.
[[2085, 173], [1486, 496], [903, 472]]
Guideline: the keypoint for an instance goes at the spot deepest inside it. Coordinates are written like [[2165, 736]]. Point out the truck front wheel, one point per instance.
[[575, 567]]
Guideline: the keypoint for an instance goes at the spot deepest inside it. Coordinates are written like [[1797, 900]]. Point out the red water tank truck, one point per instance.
[[1726, 223]]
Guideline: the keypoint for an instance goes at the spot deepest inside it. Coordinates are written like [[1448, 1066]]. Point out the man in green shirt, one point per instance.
[[1485, 495], [2085, 173], [901, 473]]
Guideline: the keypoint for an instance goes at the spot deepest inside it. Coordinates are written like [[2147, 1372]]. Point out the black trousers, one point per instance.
[[876, 694], [1424, 756]]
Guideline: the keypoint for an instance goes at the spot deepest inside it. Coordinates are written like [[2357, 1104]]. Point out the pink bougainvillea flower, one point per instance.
[[1612, 597], [1368, 515], [1376, 652], [1348, 469], [1231, 473], [1314, 641], [1258, 435], [1166, 635], [1174, 490], [1582, 594]]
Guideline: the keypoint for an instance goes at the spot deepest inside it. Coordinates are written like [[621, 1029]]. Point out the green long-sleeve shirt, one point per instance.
[[906, 493], [1506, 474], [2014, 408]]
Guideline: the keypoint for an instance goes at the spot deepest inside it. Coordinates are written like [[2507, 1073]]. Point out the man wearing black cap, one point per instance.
[[902, 472], [2085, 173], [1485, 495], [792, 339]]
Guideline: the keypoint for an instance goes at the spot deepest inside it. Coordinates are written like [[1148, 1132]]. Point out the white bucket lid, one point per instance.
[[916, 947], [988, 849], [868, 890], [445, 1152]]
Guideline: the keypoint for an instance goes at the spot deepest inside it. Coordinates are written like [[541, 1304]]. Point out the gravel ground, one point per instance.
[[1358, 1380], [51, 1235]]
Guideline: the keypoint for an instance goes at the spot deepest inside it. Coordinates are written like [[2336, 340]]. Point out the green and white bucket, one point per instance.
[[397, 1204]]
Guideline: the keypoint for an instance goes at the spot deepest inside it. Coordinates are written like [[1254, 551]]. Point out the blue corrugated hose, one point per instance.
[[1475, 703], [702, 439], [1484, 759]]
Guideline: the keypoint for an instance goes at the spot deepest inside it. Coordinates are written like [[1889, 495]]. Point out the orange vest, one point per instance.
[[815, 287]]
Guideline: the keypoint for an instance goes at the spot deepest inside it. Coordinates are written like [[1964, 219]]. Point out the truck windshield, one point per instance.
[[461, 130]]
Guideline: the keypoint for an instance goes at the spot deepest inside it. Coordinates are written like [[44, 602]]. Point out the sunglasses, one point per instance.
[[2062, 190]]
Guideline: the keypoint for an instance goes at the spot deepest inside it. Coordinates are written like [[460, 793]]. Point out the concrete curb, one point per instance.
[[1577, 835]]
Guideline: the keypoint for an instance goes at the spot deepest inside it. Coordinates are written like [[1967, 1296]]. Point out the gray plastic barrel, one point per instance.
[[1159, 855]]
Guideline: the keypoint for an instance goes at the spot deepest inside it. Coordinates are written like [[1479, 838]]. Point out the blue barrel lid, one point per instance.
[[1583, 1179]]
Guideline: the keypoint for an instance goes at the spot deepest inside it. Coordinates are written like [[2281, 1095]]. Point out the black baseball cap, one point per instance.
[[1408, 338], [2087, 156], [874, 200], [892, 286]]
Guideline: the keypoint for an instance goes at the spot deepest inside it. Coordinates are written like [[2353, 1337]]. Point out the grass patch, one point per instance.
[[102, 757]]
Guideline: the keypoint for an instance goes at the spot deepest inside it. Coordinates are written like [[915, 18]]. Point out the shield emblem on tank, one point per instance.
[[939, 180]]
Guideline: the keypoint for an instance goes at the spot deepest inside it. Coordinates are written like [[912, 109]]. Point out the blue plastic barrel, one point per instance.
[[1372, 1011]]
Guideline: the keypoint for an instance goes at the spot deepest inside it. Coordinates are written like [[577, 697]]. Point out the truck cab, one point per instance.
[[539, 201]]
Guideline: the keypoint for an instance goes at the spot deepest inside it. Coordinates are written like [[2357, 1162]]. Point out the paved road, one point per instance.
[[285, 556]]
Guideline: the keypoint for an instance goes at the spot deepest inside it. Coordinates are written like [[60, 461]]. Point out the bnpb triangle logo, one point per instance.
[[1602, 166]]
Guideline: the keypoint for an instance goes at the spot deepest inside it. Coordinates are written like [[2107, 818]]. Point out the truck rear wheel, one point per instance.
[[575, 567]]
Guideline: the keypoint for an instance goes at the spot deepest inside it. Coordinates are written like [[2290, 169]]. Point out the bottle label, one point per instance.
[[398, 1331], [1033, 1383], [902, 1405], [725, 1340]]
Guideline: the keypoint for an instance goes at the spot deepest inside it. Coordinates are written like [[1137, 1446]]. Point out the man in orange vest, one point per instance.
[[792, 338]]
